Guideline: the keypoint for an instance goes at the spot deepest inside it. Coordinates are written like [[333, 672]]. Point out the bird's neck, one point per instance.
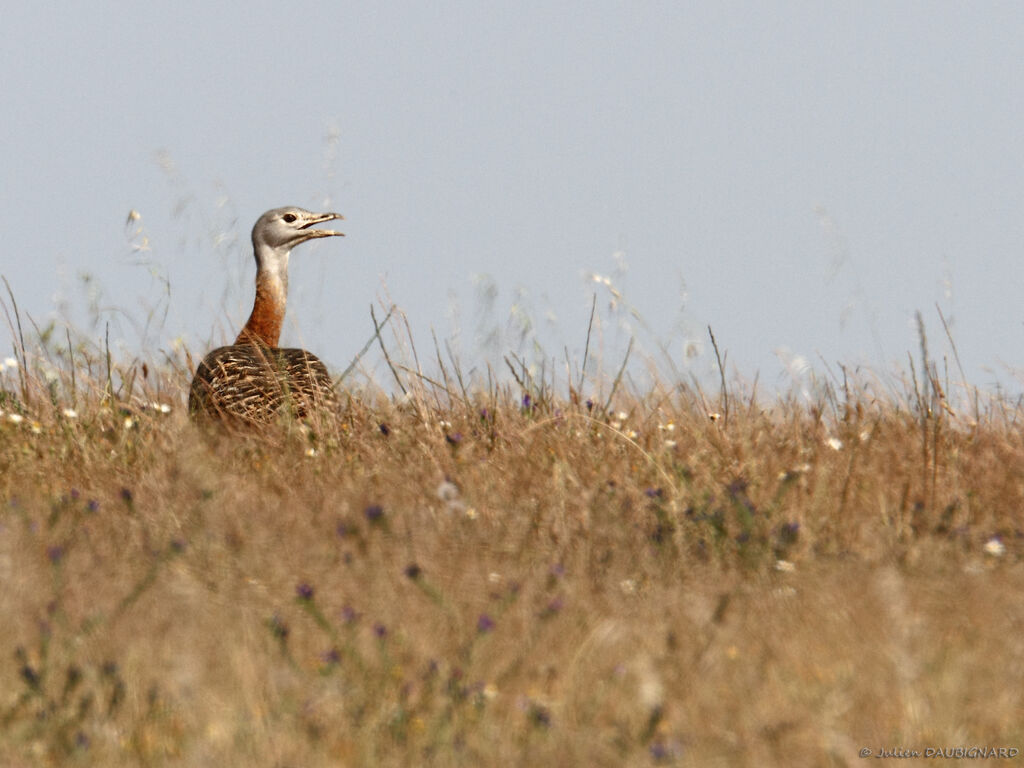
[[264, 324]]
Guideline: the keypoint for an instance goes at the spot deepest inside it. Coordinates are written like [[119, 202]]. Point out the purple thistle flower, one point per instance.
[[454, 439], [384, 429], [527, 400], [126, 494], [55, 554], [413, 571], [304, 591], [590, 404], [349, 615], [663, 752], [789, 532], [484, 624], [659, 751], [30, 676], [653, 493], [74, 494], [92, 505], [380, 631], [737, 486], [554, 607], [539, 715], [331, 657], [374, 512]]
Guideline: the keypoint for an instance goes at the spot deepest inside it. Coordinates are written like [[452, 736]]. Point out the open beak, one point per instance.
[[320, 218]]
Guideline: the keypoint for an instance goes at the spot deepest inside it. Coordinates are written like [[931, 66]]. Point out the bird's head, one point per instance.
[[283, 228]]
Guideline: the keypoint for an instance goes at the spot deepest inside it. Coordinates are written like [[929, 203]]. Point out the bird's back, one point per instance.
[[254, 383]]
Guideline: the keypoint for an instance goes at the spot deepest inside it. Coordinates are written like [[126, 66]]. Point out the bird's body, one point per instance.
[[253, 380]]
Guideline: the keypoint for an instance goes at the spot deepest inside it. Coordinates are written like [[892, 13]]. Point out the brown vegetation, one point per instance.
[[505, 576]]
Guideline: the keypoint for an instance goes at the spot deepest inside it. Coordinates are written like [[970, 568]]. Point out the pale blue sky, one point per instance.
[[798, 175]]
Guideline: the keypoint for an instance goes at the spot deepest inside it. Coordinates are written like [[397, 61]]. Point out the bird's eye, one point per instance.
[[289, 217]]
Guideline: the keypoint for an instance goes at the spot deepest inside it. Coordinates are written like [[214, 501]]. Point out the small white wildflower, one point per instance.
[[622, 415], [165, 408], [995, 547], [651, 692], [447, 491], [632, 434], [10, 362], [490, 691], [312, 453], [616, 425], [129, 422], [864, 435], [37, 428], [667, 427], [714, 416], [70, 413], [834, 443], [444, 424], [50, 374], [785, 566], [628, 586], [15, 418], [494, 578], [670, 443]]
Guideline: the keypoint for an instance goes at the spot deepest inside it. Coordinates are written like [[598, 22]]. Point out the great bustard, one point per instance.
[[252, 379]]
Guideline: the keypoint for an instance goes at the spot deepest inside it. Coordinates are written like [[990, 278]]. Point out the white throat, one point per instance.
[[272, 268]]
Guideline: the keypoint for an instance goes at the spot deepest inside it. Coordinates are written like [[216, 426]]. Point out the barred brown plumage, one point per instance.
[[253, 380]]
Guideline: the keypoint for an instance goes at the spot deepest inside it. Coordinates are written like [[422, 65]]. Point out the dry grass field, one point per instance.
[[505, 574]]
